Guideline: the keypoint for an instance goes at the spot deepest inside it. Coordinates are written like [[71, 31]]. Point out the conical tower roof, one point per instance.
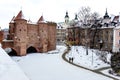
[[41, 19], [12, 20], [19, 16]]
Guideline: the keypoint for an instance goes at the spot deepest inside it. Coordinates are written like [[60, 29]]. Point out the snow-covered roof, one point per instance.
[[62, 25], [107, 27], [117, 27], [7, 40]]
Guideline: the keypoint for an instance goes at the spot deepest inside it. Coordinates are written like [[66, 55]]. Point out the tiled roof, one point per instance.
[[116, 18], [19, 16], [41, 20]]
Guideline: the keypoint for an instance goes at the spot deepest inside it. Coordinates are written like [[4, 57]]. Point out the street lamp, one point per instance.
[[101, 44], [73, 40], [92, 57], [86, 41]]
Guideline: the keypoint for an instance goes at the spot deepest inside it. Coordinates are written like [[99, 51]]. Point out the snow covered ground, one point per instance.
[[91, 61], [113, 75], [51, 66], [9, 70]]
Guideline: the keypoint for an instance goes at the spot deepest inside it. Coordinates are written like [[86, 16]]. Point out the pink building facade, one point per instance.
[[116, 39]]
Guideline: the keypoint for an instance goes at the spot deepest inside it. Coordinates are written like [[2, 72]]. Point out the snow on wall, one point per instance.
[[7, 50], [9, 70]]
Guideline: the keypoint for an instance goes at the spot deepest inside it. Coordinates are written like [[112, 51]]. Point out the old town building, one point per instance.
[[62, 30], [103, 34], [25, 36], [61, 35]]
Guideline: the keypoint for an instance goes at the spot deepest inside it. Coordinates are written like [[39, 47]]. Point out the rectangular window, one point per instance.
[[111, 38], [119, 33], [119, 41]]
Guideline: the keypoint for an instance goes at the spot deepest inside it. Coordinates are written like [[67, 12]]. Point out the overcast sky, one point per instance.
[[52, 10]]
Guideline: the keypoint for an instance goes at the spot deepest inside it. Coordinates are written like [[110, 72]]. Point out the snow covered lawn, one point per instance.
[[38, 66], [91, 61]]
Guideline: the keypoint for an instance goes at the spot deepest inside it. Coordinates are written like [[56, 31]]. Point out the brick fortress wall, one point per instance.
[[40, 35]]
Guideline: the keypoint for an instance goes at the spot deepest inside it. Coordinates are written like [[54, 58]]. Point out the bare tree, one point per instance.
[[95, 15], [84, 14], [88, 18]]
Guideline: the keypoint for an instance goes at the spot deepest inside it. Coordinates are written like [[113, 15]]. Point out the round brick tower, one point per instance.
[[20, 37]]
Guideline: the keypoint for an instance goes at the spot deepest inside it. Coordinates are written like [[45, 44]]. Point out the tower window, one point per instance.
[[119, 33], [119, 41]]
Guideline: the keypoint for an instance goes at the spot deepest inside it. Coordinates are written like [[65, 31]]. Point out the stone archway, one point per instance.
[[10, 52], [31, 49]]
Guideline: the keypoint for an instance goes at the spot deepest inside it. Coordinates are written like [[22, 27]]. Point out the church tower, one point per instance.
[[106, 19], [76, 18], [20, 37], [106, 16], [66, 18]]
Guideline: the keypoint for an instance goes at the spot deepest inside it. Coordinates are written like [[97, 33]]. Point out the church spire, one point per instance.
[[106, 14]]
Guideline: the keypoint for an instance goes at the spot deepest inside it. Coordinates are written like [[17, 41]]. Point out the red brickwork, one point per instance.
[[41, 36]]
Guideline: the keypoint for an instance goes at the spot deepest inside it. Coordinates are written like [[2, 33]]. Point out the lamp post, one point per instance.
[[86, 41], [73, 36], [92, 57], [101, 44], [73, 39]]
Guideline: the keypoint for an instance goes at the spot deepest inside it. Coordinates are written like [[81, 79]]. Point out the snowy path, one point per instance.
[[98, 71], [53, 67]]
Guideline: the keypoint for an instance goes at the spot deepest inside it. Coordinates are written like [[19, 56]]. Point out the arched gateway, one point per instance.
[[31, 49]]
